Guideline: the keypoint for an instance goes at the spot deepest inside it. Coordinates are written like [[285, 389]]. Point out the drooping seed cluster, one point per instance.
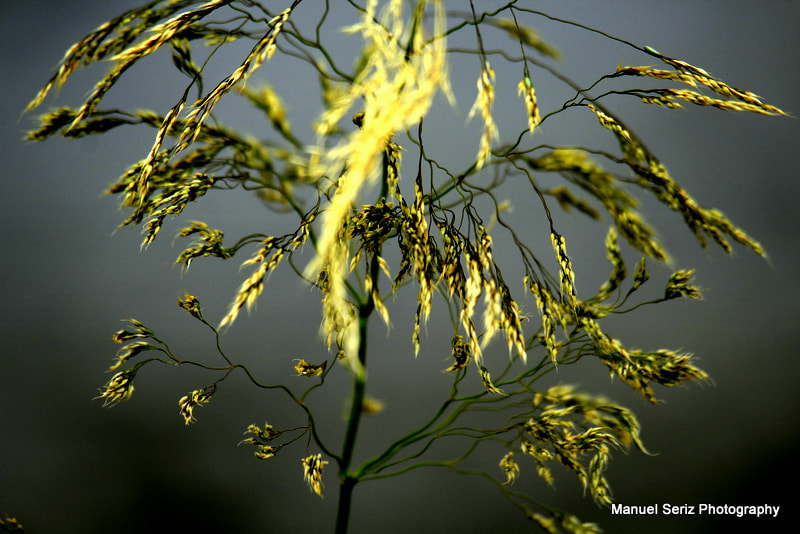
[[303, 368], [653, 176], [120, 387], [194, 399], [525, 89], [262, 440], [312, 472], [273, 250], [695, 77], [568, 427], [483, 104], [605, 187]]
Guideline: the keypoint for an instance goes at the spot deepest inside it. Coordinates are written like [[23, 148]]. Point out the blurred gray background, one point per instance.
[[69, 465]]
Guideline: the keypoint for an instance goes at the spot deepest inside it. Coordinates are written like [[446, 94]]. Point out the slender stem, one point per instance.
[[345, 498], [366, 306], [348, 481], [359, 385]]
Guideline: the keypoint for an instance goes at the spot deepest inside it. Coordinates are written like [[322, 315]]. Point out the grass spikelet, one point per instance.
[[272, 252], [100, 89], [96, 45], [489, 286], [678, 286], [170, 201], [120, 387], [417, 248], [640, 275], [486, 378], [262, 50], [252, 287], [484, 102], [161, 33], [692, 75], [548, 310], [579, 169], [640, 369], [667, 97], [492, 310], [509, 467], [630, 146], [472, 291], [124, 60], [654, 176], [511, 321], [208, 244], [525, 89], [163, 130], [460, 353], [631, 225], [196, 398], [565, 274], [50, 123], [71, 61], [701, 221], [312, 472]]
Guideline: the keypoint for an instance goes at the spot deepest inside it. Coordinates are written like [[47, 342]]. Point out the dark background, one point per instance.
[[68, 465]]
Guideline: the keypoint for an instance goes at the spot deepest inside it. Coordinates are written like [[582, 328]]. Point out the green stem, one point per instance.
[[348, 480], [345, 498], [357, 406], [365, 308]]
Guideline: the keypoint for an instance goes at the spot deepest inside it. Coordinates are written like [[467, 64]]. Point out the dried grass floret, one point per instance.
[[483, 104], [194, 399], [525, 89], [312, 472]]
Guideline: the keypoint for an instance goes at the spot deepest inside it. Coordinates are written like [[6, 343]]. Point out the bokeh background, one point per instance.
[[68, 277]]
